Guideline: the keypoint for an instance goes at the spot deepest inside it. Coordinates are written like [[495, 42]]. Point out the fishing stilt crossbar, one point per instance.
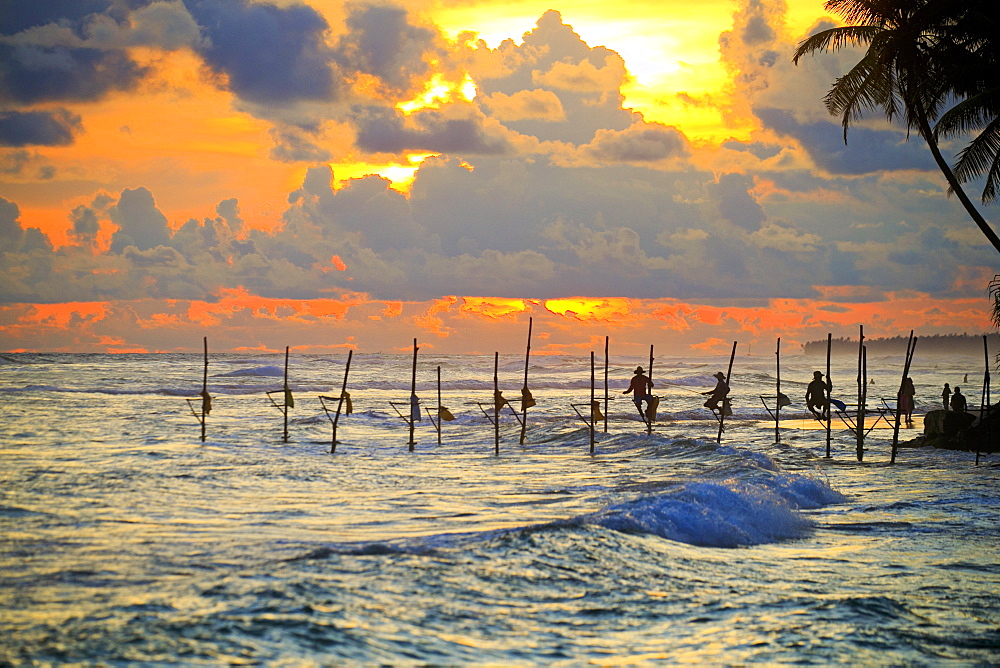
[[344, 396]]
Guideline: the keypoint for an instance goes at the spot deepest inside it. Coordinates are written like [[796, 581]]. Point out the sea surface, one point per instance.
[[125, 539]]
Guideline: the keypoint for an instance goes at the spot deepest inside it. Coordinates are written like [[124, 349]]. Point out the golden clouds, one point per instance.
[[582, 308], [536, 105]]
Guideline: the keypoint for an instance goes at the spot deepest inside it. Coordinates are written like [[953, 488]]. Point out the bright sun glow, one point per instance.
[[402, 175], [437, 92], [671, 58]]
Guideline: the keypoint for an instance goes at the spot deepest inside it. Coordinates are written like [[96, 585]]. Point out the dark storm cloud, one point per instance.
[[268, 54], [867, 150], [30, 74], [38, 128], [381, 42], [387, 130]]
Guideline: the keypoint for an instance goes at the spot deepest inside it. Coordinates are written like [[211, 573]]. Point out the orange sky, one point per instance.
[[373, 172]]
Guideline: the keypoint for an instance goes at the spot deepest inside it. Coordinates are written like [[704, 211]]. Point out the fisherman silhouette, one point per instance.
[[816, 397], [639, 388], [718, 394]]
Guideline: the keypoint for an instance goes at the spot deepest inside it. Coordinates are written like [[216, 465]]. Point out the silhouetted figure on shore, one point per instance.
[[958, 402], [946, 397]]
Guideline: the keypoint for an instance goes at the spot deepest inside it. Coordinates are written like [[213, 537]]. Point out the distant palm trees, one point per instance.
[[928, 62]]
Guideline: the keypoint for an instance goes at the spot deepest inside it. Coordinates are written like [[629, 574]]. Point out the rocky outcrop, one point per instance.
[[953, 430]]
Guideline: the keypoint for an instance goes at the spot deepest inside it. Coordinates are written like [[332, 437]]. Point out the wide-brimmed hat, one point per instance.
[[638, 369], [818, 374], [720, 376]]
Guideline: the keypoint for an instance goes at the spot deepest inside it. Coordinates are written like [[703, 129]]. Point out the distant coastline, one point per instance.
[[937, 344]]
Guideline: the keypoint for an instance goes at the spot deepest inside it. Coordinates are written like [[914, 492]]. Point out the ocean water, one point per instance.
[[125, 539]]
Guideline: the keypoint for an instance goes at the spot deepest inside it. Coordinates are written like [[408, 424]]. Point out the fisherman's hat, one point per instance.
[[720, 376], [638, 369]]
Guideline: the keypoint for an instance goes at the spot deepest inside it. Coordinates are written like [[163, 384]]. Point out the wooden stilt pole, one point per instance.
[[862, 395], [496, 404], [592, 402], [340, 402], [777, 398], [911, 345], [206, 402], [829, 394], [525, 393], [606, 398], [414, 402], [285, 411], [287, 400], [722, 408], [649, 423], [438, 423], [985, 426]]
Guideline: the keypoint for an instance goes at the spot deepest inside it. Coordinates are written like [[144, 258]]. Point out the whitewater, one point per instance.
[[125, 539]]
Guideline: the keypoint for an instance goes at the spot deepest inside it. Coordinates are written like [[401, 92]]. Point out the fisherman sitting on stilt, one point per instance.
[[718, 398], [639, 389], [816, 394]]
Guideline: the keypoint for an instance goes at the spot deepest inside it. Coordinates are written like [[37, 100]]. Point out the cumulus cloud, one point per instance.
[[536, 105], [382, 42], [140, 223], [554, 59], [785, 238], [389, 131], [642, 142]]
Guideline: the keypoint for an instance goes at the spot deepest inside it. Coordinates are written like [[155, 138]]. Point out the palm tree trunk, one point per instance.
[[927, 134]]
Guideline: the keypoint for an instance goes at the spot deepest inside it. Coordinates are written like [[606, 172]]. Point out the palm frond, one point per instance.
[[982, 156], [834, 39], [970, 114]]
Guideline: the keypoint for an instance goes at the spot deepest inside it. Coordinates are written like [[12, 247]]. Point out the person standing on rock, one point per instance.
[[946, 397], [958, 402]]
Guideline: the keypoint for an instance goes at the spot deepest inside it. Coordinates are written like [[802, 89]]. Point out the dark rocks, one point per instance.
[[953, 430]]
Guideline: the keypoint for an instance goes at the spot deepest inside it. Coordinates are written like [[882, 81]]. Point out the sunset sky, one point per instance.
[[325, 175]]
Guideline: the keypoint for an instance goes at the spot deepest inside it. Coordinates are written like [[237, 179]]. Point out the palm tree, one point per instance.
[[910, 71], [995, 294], [971, 44]]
